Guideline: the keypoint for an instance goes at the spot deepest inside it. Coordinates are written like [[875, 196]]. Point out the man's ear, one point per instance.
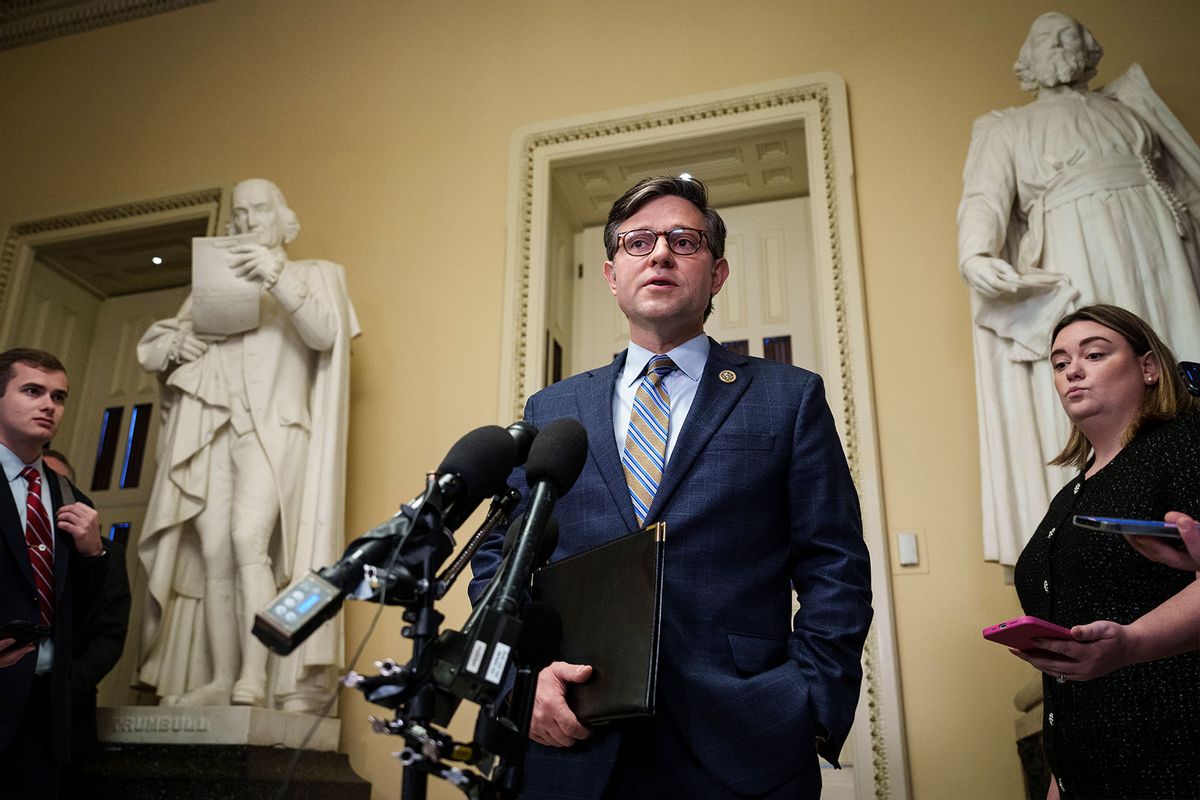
[[720, 275], [610, 275]]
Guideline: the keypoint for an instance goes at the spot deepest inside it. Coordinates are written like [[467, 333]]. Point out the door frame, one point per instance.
[[22, 239], [818, 103]]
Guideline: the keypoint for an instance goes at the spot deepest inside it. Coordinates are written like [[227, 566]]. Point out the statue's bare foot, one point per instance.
[[211, 694], [248, 692]]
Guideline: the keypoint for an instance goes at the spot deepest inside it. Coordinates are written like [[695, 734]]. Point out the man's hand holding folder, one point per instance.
[[610, 601], [554, 724]]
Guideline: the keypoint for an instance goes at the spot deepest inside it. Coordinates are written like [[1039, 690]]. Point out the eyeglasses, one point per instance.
[[681, 241]]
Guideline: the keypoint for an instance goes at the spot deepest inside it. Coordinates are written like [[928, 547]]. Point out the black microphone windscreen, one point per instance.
[[483, 459], [523, 433], [541, 634], [558, 455]]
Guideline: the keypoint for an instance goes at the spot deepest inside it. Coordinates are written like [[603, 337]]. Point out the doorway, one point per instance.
[[731, 134]]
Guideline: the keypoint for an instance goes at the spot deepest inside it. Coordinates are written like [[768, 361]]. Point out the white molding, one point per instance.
[[30, 21], [818, 102], [22, 239]]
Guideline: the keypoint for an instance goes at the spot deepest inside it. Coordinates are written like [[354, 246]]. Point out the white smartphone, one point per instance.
[[1135, 527]]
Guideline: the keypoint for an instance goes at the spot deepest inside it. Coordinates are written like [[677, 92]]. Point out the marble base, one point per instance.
[[215, 772], [234, 725]]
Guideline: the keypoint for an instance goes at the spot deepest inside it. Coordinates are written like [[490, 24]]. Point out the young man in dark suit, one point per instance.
[[740, 458], [52, 552]]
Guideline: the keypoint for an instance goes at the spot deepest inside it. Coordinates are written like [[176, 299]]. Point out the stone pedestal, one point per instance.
[[216, 725], [226, 753], [218, 772]]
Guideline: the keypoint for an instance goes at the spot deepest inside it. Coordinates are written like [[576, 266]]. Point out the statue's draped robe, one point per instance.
[[1093, 197], [289, 386]]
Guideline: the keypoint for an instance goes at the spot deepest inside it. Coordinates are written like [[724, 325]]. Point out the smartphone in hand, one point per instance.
[[23, 632], [1021, 632], [1136, 527]]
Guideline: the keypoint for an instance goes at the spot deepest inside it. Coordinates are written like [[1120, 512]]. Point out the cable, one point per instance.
[[289, 773]]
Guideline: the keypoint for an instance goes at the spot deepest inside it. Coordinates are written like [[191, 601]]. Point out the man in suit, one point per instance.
[[758, 504], [98, 641], [51, 560]]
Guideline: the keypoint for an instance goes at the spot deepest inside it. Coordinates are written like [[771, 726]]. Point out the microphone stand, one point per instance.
[[418, 700], [421, 708], [502, 506]]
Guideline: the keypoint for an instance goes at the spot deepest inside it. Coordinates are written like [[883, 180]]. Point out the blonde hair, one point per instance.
[[1165, 399]]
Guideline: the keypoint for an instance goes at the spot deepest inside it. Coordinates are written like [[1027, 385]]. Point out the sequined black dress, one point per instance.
[[1134, 733]]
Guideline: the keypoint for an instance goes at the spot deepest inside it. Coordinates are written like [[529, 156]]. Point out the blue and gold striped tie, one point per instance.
[[646, 442]]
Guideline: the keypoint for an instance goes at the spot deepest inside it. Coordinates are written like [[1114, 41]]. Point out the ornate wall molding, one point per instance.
[[24, 22], [18, 238]]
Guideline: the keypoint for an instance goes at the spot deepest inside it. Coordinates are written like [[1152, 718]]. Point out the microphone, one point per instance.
[[545, 550], [472, 664], [502, 505], [490, 483], [476, 467], [555, 462], [507, 734], [537, 646], [523, 433]]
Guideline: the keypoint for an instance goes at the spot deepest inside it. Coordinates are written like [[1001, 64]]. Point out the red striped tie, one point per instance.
[[39, 538]]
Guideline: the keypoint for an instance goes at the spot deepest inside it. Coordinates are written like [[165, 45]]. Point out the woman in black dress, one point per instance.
[[1122, 696]]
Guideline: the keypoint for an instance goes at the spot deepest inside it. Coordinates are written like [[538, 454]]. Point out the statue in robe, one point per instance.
[[1078, 197], [249, 487]]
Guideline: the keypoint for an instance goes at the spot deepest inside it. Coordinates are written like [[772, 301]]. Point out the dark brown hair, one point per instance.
[[26, 355]]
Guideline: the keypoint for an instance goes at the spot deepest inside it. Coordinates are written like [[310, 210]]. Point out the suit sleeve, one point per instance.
[[104, 615], [830, 569]]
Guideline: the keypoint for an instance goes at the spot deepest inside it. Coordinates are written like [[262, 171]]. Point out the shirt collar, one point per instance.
[[690, 357], [13, 464]]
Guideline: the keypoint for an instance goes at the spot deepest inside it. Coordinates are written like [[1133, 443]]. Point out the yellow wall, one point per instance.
[[388, 125]]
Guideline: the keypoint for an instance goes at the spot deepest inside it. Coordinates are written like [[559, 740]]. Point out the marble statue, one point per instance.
[[249, 487], [1078, 197]]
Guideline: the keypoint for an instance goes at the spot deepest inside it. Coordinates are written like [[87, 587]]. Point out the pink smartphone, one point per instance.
[[1021, 632]]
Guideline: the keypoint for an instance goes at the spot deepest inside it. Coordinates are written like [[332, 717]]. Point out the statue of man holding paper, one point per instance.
[[250, 478]]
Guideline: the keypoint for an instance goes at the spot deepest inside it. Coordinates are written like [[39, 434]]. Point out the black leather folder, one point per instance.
[[610, 599]]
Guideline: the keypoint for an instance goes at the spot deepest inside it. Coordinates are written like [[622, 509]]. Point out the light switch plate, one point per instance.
[[909, 551]]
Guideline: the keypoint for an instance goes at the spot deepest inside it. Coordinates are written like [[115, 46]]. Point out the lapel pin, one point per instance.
[[727, 376]]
